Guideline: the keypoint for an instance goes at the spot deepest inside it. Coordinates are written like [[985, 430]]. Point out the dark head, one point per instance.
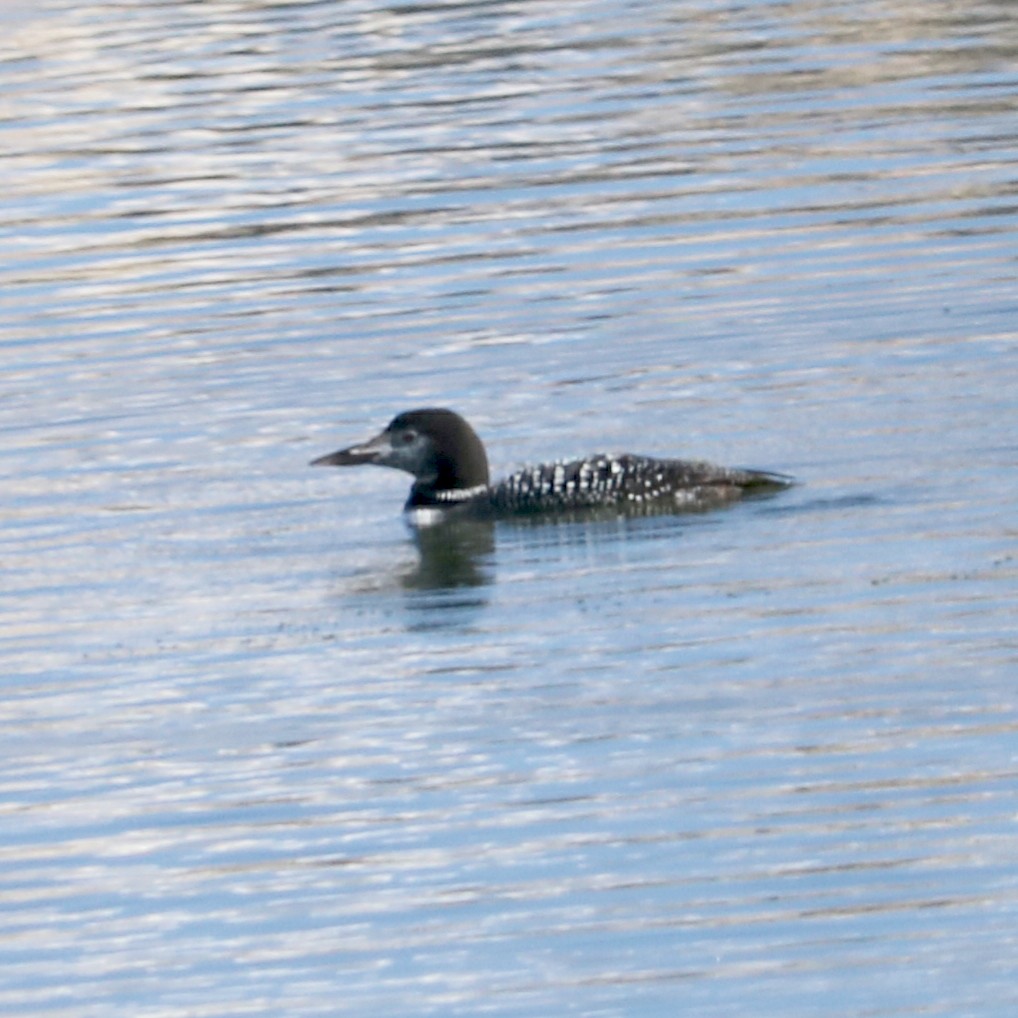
[[438, 447]]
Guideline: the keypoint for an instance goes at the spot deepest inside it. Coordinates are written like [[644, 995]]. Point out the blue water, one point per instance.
[[266, 752]]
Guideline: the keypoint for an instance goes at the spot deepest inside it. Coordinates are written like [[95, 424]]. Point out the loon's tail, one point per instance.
[[763, 480]]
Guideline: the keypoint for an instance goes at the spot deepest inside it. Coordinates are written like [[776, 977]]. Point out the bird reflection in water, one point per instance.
[[453, 555]]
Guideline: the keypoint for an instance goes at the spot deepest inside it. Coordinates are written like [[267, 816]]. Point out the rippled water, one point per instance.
[[264, 752]]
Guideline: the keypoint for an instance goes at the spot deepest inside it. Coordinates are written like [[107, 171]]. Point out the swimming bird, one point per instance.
[[450, 469]]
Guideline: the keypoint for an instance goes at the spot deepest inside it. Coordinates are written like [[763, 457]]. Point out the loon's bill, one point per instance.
[[450, 469]]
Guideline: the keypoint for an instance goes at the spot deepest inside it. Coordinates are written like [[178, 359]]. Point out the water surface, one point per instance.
[[266, 753]]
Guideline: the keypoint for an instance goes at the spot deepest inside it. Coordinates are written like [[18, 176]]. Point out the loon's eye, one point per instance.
[[406, 437]]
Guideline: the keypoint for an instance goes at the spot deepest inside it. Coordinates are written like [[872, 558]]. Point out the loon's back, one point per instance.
[[626, 481]]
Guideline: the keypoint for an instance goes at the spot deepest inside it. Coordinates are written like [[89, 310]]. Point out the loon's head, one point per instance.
[[438, 447]]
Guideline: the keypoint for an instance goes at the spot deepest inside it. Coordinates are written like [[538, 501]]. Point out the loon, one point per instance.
[[450, 470]]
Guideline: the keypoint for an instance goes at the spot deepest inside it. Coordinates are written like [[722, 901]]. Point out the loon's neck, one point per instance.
[[425, 495]]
